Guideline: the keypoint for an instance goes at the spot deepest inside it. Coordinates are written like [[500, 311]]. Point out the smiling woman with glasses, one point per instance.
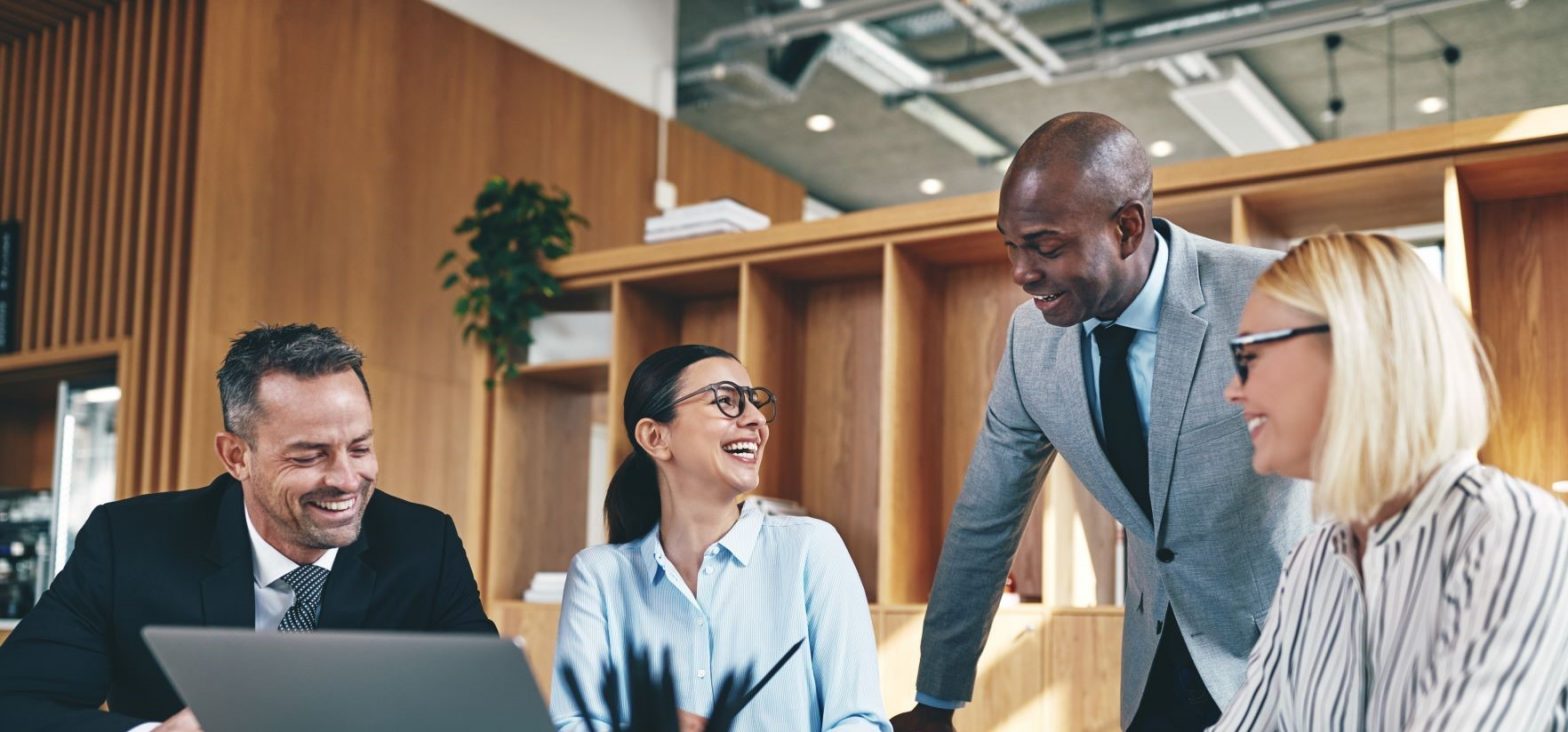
[[1435, 594], [720, 589]]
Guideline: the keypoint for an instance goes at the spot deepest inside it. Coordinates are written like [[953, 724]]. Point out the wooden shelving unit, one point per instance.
[[881, 331]]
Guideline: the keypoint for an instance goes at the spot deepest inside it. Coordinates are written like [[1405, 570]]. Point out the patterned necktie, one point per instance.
[[1125, 443], [307, 580]]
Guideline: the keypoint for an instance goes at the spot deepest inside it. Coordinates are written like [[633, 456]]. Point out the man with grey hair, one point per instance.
[[1117, 362], [294, 536]]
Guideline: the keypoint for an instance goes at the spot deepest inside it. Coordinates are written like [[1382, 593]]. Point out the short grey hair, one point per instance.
[[305, 350]]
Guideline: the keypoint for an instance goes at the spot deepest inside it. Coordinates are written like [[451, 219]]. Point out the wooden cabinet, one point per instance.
[[535, 623], [1010, 685], [1041, 669], [881, 331]]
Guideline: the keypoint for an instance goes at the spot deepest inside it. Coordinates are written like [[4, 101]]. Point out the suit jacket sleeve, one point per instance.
[[55, 668], [982, 536], [457, 599]]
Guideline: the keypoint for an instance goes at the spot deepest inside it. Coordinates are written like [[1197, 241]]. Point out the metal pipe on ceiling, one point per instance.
[[776, 30], [983, 30], [1235, 27], [1222, 27]]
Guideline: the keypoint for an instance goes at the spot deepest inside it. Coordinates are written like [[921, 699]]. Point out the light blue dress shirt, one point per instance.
[[1142, 315], [769, 582]]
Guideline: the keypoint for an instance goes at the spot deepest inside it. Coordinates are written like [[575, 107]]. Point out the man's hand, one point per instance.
[[185, 721], [691, 722], [924, 719]]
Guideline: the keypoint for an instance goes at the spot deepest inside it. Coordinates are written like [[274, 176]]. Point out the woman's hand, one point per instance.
[[691, 722]]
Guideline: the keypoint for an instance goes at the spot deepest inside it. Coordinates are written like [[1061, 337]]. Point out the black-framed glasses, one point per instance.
[[727, 396], [1239, 344]]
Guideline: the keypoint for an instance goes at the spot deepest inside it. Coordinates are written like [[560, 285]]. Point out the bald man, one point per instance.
[[1117, 363]]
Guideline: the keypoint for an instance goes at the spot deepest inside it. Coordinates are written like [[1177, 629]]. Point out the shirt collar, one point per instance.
[[1427, 499], [1144, 311], [742, 537], [269, 565], [740, 541]]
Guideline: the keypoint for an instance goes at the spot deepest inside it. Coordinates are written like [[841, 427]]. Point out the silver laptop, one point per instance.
[[244, 681]]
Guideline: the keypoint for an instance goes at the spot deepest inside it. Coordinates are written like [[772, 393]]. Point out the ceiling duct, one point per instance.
[[1235, 108], [744, 82], [1239, 112], [1221, 27]]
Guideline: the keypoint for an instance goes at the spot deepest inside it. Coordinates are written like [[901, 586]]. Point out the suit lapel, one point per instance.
[[228, 592], [345, 599], [1175, 364], [1094, 468]]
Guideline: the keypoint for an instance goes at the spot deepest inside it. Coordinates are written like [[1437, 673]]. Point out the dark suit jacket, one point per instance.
[[185, 559]]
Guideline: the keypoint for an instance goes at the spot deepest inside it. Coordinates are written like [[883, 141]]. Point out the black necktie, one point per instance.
[[1124, 441], [307, 581]]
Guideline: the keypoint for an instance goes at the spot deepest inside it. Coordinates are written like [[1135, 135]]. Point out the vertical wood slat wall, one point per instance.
[[98, 133]]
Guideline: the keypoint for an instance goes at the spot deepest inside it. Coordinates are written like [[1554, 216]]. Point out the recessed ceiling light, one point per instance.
[[931, 186], [1432, 105], [1161, 148], [1515, 4], [819, 123], [811, 4]]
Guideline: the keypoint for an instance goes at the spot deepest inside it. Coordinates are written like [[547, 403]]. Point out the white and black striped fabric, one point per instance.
[[307, 582], [1457, 621]]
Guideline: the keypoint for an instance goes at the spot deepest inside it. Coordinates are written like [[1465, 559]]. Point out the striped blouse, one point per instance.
[[1459, 623], [769, 582]]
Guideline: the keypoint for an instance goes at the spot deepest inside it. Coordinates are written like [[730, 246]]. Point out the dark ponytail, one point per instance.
[[631, 505]]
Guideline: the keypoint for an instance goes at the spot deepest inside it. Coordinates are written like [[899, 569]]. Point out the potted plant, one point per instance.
[[503, 285]]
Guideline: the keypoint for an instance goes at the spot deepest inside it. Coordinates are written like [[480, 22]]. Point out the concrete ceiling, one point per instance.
[[1513, 59]]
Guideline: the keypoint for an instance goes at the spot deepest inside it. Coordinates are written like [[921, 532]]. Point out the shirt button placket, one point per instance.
[[703, 644]]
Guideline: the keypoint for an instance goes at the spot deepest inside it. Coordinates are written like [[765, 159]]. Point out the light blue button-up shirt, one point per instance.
[[769, 582], [1142, 315]]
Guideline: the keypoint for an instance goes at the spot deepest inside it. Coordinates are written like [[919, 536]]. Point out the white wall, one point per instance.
[[620, 45]]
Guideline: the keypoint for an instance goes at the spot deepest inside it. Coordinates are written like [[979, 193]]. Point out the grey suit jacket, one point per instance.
[[1228, 527]]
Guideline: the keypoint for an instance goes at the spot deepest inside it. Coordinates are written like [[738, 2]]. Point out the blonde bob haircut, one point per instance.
[[1410, 385]]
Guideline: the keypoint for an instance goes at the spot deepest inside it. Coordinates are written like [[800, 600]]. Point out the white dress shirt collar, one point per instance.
[[739, 541], [269, 564]]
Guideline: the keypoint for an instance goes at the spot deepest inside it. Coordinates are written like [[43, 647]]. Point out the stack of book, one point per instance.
[[724, 216], [546, 587]]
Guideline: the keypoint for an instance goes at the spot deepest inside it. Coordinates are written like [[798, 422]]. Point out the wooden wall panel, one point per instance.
[[1083, 670], [1521, 309], [977, 306], [22, 18], [542, 440], [339, 144], [536, 624], [712, 321], [768, 343], [911, 512], [27, 443], [98, 134], [840, 373], [703, 169]]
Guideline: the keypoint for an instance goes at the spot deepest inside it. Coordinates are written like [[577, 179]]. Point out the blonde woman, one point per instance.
[[1433, 596]]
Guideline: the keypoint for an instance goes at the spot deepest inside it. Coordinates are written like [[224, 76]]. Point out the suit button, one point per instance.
[[1165, 555]]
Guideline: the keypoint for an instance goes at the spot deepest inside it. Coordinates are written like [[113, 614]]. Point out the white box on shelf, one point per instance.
[[569, 336]]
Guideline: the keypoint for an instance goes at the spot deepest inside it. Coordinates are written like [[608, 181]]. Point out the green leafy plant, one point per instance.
[[515, 227]]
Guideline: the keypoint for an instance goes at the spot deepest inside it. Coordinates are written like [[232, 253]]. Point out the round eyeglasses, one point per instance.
[[728, 395]]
